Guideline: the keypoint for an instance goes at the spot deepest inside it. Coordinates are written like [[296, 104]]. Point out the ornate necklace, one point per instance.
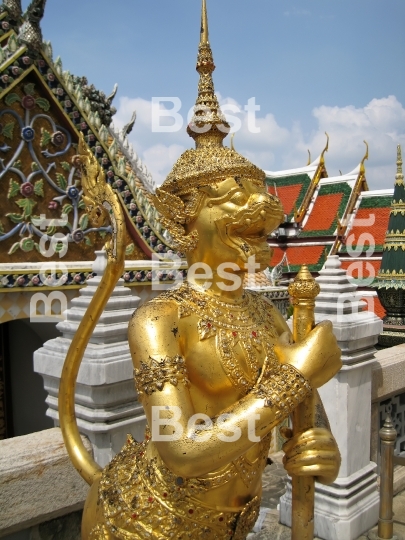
[[248, 324]]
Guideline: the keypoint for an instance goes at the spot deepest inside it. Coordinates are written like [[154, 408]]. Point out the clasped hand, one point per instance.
[[317, 356], [312, 453]]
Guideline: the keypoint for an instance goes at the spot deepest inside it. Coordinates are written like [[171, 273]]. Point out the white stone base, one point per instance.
[[345, 509], [37, 480]]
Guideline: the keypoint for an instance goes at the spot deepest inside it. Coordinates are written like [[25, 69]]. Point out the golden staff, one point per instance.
[[303, 292]]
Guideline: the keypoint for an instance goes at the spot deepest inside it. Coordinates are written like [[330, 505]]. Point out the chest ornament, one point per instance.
[[246, 326]]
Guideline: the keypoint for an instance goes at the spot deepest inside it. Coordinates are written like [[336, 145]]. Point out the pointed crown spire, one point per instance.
[[208, 125]]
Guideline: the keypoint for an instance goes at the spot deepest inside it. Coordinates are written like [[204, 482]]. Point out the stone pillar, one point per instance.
[[348, 507], [106, 404]]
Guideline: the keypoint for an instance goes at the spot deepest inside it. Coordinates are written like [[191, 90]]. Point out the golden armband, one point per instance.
[[153, 376], [283, 390]]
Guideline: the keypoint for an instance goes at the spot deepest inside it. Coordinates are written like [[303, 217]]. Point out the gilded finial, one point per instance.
[[399, 176], [362, 167], [304, 287], [204, 39], [322, 160], [309, 158], [208, 126], [232, 143]]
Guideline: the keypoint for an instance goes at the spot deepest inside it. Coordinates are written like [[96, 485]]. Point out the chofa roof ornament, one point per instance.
[[30, 31], [13, 8]]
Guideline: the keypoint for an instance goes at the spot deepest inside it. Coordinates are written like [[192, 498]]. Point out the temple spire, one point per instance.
[[390, 283]]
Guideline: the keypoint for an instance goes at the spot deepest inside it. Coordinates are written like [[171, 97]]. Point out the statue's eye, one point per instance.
[[239, 198]]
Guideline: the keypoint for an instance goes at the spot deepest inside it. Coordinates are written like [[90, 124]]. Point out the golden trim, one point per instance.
[[40, 289], [164, 241], [7, 35], [34, 270], [359, 186], [72, 98], [391, 275], [74, 287], [146, 283], [6, 64], [319, 174]]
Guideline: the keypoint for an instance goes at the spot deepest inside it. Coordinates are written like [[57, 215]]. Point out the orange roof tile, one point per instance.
[[324, 212], [378, 229], [378, 308], [374, 304], [288, 195], [298, 255], [362, 268]]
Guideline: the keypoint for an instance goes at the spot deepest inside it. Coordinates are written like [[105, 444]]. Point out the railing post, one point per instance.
[[388, 437]]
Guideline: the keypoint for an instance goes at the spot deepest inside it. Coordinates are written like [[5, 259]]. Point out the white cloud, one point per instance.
[[381, 123], [160, 159]]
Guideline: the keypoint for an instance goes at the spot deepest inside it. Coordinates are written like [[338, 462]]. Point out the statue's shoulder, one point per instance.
[[259, 299], [167, 304]]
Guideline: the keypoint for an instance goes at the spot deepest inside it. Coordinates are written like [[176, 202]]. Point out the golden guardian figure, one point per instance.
[[214, 365]]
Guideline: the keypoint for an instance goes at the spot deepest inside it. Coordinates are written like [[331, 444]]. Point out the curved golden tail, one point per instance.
[[103, 206]]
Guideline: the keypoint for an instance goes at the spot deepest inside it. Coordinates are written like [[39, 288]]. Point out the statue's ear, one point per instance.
[[193, 204], [170, 206]]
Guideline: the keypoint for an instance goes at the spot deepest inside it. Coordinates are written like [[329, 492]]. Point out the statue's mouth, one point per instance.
[[251, 225], [247, 230]]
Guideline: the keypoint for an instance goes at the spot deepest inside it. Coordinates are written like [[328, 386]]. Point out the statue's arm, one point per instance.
[[154, 337]]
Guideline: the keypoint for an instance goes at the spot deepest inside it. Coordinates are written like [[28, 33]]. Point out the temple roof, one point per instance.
[[314, 256], [292, 186], [43, 110], [329, 204], [371, 216]]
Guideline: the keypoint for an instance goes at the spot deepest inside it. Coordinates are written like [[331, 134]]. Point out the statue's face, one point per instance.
[[234, 222]]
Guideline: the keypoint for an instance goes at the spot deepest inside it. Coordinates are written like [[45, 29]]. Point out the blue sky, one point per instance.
[[312, 66]]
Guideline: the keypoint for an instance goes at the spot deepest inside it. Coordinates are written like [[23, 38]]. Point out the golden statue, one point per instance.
[[214, 365]]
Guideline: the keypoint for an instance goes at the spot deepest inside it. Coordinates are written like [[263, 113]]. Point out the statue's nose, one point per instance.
[[272, 211], [263, 197]]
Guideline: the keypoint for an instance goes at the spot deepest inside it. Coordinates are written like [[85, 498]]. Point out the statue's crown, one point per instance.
[[206, 164], [210, 161]]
